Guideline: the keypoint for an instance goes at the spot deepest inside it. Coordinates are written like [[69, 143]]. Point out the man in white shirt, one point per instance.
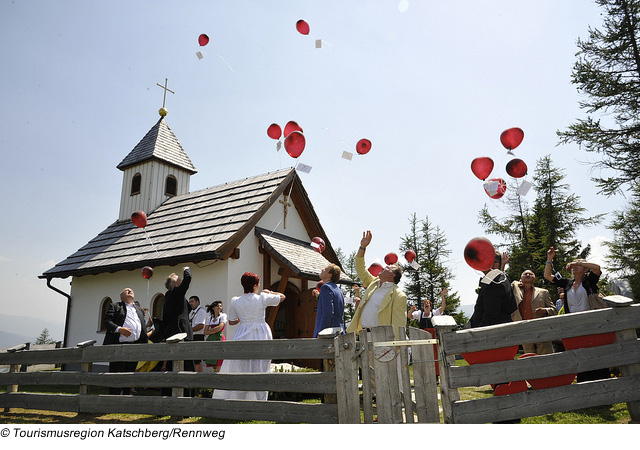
[[198, 318], [125, 324], [383, 302]]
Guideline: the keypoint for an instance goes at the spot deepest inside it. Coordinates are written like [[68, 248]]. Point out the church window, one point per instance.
[[136, 182], [104, 307], [157, 305], [171, 186]]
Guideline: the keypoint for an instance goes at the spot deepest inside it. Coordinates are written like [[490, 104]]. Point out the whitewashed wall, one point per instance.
[[212, 280]]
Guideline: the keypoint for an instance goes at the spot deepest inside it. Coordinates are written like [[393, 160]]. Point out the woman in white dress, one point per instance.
[[248, 312]]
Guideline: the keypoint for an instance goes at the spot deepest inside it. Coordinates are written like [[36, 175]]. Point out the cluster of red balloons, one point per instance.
[[517, 168], [389, 259], [294, 140]]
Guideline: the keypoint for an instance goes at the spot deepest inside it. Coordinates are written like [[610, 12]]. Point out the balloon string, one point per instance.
[[149, 239], [336, 136], [225, 61]]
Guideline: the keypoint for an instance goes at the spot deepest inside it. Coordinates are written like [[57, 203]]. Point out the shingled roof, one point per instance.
[[297, 255], [159, 143], [202, 225]]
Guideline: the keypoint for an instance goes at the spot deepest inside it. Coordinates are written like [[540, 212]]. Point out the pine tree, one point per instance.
[[432, 276], [607, 73], [624, 249], [44, 338], [556, 216]]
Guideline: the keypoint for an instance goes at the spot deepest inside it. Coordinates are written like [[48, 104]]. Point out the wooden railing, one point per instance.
[[86, 355], [391, 399], [624, 352]]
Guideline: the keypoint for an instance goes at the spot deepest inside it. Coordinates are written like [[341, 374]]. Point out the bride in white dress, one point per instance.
[[248, 312]]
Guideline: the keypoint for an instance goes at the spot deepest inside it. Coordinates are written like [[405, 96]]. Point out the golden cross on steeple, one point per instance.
[[163, 111]]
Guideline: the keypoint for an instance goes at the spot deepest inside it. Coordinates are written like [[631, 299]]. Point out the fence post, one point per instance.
[[630, 370], [367, 371], [85, 367], [347, 378], [444, 324], [385, 365], [424, 378]]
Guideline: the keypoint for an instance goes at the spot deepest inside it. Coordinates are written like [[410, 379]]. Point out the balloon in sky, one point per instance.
[[203, 40], [318, 244], [482, 167], [147, 272], [495, 187], [479, 253], [294, 144], [511, 138], [302, 27], [375, 269], [290, 127], [363, 146], [274, 131], [139, 219], [390, 258], [517, 168], [410, 255]]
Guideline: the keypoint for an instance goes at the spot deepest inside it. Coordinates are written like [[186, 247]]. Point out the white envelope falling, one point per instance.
[[200, 55], [304, 168], [524, 188], [347, 155], [491, 187]]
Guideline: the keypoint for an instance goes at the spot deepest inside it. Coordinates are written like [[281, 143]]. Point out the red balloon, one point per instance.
[[290, 127], [511, 138], [147, 272], [294, 144], [363, 146], [482, 167], [390, 258], [479, 253], [274, 131], [318, 244], [517, 168], [375, 269], [139, 219], [319, 285], [302, 27], [410, 255], [203, 40], [495, 187]]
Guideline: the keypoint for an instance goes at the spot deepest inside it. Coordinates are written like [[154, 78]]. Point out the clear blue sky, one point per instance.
[[432, 85]]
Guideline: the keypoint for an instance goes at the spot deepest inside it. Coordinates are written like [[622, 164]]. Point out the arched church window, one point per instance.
[[136, 182], [157, 305], [104, 307], [171, 186]]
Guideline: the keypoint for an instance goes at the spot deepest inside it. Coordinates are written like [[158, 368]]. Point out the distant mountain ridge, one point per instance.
[[15, 330]]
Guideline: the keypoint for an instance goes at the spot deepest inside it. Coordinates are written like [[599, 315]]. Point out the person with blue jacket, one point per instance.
[[330, 301]]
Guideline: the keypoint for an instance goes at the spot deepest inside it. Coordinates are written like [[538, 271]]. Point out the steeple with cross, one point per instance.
[[163, 111]]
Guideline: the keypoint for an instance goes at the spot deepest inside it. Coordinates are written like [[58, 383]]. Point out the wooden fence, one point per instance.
[[622, 350], [384, 392], [385, 403]]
